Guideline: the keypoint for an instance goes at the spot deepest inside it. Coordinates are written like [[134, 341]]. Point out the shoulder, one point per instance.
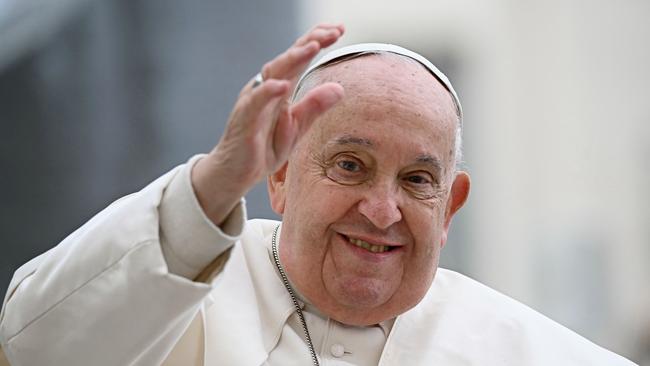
[[258, 229], [470, 313]]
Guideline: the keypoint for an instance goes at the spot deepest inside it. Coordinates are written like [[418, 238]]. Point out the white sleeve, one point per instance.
[[189, 240], [106, 295]]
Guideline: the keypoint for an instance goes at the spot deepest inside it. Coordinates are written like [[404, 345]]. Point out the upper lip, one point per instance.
[[373, 240]]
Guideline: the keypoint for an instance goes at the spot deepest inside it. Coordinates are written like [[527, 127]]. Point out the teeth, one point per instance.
[[367, 246]]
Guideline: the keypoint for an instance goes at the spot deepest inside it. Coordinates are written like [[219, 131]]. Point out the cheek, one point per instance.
[[424, 260], [425, 222], [335, 201], [313, 205], [320, 198]]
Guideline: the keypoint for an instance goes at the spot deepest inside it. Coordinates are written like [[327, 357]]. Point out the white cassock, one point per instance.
[[118, 291]]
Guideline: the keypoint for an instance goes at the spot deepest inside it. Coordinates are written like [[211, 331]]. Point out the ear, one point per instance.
[[457, 197], [276, 186]]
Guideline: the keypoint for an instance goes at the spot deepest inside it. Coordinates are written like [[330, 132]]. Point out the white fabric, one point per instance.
[[116, 292]]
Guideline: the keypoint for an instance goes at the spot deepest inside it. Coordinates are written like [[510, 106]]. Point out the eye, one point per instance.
[[348, 165], [347, 169], [420, 184], [418, 179]]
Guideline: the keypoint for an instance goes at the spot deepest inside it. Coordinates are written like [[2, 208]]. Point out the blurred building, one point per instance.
[[98, 98]]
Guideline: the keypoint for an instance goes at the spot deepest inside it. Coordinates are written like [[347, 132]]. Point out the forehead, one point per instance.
[[388, 75], [388, 98]]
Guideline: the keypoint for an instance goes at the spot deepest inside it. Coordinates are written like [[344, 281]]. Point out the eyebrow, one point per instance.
[[431, 161], [352, 140]]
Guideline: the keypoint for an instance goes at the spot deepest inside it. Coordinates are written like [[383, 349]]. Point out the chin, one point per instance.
[[363, 297], [362, 303], [367, 302], [363, 317]]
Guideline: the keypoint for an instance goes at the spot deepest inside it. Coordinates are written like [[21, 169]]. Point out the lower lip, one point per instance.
[[368, 255]]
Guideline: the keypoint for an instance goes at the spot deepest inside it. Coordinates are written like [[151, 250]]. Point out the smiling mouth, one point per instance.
[[369, 247]]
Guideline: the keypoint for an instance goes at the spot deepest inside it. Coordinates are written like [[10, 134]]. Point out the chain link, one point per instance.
[[285, 280]]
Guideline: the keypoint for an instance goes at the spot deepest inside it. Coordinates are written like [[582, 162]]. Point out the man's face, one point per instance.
[[368, 194]]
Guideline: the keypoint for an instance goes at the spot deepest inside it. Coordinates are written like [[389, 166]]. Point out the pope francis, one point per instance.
[[361, 154]]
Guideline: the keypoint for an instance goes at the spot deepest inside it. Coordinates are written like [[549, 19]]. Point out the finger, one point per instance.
[[317, 101], [248, 86], [326, 25], [322, 33], [291, 63], [285, 136], [304, 113], [262, 95]]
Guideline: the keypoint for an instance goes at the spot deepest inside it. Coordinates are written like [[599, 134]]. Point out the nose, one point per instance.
[[380, 205]]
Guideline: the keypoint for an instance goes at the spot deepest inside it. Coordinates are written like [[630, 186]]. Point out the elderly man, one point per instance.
[[362, 168]]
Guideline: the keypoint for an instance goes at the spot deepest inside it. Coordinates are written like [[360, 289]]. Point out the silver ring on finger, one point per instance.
[[257, 80]]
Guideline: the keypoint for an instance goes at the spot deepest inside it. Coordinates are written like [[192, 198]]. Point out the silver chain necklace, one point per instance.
[[285, 280]]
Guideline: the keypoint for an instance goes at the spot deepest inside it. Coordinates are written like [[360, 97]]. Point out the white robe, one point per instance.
[[106, 296]]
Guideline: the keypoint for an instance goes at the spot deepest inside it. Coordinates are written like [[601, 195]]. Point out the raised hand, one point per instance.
[[263, 127]]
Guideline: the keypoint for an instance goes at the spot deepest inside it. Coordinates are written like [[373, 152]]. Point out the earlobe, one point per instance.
[[276, 186]]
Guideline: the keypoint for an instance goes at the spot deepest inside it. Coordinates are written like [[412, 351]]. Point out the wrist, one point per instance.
[[216, 191]]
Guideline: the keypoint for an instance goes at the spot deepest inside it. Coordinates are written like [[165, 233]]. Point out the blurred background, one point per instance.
[[97, 98]]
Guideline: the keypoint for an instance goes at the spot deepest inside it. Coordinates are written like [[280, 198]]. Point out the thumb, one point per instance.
[[316, 102]]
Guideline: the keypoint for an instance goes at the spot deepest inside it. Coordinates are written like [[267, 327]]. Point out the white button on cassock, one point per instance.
[[337, 350]]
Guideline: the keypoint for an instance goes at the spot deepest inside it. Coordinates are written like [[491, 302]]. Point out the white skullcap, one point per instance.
[[370, 48]]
